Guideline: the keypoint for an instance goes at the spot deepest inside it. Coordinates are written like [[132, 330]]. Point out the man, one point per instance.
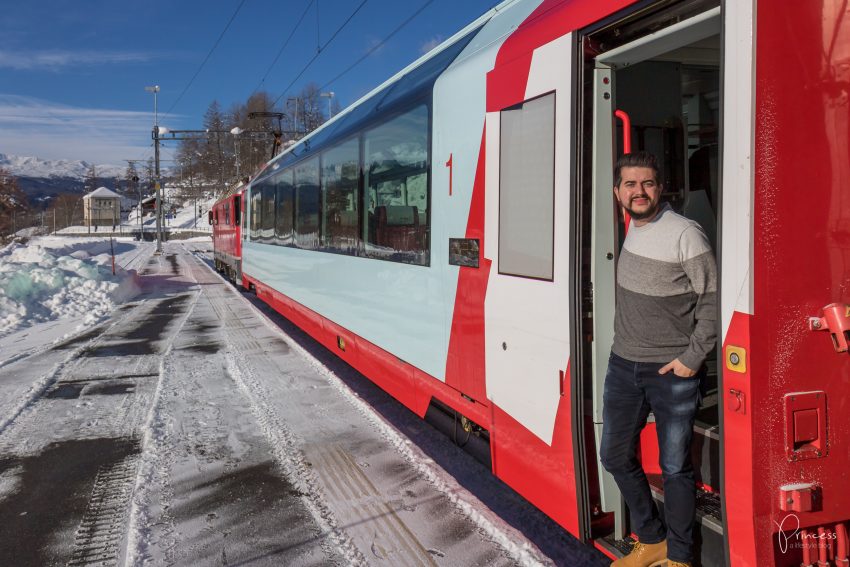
[[664, 328]]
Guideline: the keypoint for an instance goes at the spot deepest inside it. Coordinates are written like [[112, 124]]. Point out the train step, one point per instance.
[[708, 532]]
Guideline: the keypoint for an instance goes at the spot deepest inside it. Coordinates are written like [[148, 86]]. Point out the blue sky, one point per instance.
[[72, 73]]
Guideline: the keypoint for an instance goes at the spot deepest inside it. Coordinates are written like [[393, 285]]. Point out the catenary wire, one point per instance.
[[282, 48], [319, 51], [377, 46], [192, 80]]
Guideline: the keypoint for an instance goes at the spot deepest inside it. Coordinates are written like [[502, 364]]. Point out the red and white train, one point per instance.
[[453, 236]]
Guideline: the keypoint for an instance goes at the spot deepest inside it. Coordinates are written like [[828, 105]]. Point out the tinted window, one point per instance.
[[307, 204], [284, 227], [527, 189], [396, 189], [340, 181], [256, 212], [268, 211]]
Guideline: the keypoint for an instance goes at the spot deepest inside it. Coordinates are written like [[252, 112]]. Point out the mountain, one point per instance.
[[21, 166], [40, 178]]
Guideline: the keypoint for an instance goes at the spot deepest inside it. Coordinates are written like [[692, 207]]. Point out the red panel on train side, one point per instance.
[[552, 19], [737, 434], [542, 474], [801, 254], [465, 360]]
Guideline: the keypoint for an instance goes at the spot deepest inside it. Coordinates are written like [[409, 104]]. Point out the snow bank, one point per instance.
[[55, 279]]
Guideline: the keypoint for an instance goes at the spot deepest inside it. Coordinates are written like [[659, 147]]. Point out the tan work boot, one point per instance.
[[644, 555], [676, 564]]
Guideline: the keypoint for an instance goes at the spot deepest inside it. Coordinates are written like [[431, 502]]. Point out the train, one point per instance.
[[453, 236]]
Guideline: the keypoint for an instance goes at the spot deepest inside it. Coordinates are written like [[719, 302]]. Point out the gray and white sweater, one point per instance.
[[666, 292]]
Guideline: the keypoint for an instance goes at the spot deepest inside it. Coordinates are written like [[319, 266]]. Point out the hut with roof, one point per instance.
[[102, 207]]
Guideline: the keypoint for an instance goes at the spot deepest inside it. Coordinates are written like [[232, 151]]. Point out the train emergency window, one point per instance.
[[307, 204], [256, 210], [284, 221], [396, 222], [267, 232], [527, 189], [340, 183]]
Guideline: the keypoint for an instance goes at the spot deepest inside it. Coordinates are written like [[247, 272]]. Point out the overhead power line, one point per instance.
[[319, 51], [380, 44], [282, 47], [207, 58]]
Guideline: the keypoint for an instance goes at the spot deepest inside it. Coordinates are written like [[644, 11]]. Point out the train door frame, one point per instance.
[[596, 233]]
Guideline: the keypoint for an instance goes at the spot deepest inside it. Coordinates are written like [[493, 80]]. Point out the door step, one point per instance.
[[708, 530]]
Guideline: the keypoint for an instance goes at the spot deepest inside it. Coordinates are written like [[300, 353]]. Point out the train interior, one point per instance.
[[654, 79]]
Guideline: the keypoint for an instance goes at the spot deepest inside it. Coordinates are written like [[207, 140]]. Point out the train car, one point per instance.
[[453, 236], [225, 217]]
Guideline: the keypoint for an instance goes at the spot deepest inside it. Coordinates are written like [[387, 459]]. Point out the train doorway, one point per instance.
[[652, 81]]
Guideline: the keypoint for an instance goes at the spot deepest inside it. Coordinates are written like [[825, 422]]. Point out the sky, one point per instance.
[[73, 74]]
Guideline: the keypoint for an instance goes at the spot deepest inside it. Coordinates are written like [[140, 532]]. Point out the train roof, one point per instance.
[[406, 85]]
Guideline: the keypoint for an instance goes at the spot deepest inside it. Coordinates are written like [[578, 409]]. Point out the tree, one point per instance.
[[213, 154], [312, 107], [13, 203], [91, 182], [65, 210]]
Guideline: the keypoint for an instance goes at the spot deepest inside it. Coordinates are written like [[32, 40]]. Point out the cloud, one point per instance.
[[430, 44], [56, 60], [35, 127]]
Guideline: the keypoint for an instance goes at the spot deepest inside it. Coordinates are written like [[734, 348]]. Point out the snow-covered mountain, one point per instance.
[[24, 166]]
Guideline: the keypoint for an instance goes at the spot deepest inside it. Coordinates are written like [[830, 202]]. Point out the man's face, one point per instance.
[[639, 192]]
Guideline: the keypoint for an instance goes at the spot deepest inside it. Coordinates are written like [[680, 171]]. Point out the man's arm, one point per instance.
[[700, 267]]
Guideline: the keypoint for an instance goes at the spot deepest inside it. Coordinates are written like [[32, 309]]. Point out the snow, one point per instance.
[[29, 166], [54, 278], [222, 391]]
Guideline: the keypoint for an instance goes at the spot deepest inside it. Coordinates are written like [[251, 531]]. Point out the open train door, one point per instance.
[[652, 81]]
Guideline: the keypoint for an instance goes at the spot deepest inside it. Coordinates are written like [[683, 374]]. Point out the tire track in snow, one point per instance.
[[43, 384], [153, 460]]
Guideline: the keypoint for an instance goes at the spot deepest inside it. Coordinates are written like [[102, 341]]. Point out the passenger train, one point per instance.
[[453, 236]]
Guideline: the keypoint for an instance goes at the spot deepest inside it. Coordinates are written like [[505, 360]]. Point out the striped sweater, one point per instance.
[[666, 292]]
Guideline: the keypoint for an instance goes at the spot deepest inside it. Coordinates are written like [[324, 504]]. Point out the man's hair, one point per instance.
[[636, 159]]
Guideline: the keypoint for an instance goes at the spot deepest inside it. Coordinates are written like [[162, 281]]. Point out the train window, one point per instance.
[[256, 210], [227, 213], [307, 204], [396, 223], [268, 212], [340, 184], [284, 223], [237, 217], [527, 189]]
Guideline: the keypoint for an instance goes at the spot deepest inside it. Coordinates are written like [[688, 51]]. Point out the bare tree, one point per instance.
[[13, 203]]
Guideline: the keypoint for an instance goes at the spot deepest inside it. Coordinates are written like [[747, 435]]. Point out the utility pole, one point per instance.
[[155, 89], [157, 188]]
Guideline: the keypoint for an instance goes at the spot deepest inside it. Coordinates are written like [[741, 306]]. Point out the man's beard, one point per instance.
[[648, 213]]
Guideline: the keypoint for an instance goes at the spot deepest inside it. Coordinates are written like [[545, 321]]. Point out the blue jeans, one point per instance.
[[632, 390]]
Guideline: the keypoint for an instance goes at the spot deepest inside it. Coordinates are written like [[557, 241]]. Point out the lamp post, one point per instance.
[[236, 131], [155, 89], [329, 96]]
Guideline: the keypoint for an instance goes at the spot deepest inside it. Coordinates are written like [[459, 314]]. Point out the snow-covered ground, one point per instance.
[[180, 215], [192, 425], [62, 284]]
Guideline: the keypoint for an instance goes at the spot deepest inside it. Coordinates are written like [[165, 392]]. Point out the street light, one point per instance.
[[236, 131], [329, 96], [154, 89]]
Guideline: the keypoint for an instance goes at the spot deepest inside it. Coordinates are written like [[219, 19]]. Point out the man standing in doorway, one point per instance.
[[664, 328]]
